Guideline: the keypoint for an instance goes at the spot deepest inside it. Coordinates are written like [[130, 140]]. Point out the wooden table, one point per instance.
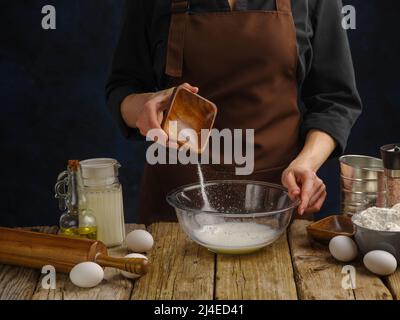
[[291, 268]]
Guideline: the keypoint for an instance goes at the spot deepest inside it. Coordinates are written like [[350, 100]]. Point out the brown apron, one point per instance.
[[246, 63]]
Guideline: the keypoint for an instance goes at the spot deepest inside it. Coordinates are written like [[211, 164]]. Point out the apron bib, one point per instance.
[[246, 63]]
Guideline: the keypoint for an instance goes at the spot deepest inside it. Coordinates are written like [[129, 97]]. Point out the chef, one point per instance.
[[280, 67]]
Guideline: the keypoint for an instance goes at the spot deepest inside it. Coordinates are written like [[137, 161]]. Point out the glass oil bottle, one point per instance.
[[77, 221]]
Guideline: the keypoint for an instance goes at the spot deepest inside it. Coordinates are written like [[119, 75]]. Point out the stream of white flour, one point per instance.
[[206, 204]]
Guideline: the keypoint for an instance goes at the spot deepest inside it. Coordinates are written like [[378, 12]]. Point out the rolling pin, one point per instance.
[[35, 250]]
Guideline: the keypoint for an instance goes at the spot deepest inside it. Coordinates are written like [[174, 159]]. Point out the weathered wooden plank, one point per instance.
[[393, 283], [180, 268], [18, 283], [266, 274], [319, 276], [113, 287], [369, 286]]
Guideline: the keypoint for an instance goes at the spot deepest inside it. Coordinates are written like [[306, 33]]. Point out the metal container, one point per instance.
[[362, 183], [369, 240], [368, 199], [370, 186], [359, 167]]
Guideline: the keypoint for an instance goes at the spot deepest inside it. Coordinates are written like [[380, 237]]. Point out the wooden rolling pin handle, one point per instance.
[[137, 266]]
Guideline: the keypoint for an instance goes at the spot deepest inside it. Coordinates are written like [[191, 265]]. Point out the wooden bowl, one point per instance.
[[324, 230], [189, 111]]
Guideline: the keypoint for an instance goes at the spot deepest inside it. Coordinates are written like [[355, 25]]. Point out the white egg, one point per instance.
[[132, 275], [343, 248], [380, 262], [139, 241], [86, 274]]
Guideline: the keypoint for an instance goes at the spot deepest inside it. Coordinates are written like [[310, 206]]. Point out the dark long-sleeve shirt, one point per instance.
[[328, 97]]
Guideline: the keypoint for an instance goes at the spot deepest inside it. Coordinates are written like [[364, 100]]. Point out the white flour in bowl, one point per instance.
[[380, 219], [236, 237]]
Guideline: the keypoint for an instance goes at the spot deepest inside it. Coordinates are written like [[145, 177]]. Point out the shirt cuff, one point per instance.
[[338, 130], [114, 102]]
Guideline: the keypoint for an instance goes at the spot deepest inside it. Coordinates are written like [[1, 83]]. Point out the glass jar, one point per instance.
[[391, 161], [393, 187], [104, 198]]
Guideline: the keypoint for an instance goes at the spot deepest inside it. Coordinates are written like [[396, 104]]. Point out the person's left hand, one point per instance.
[[302, 182]]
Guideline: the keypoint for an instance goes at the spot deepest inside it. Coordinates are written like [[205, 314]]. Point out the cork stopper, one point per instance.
[[73, 165]]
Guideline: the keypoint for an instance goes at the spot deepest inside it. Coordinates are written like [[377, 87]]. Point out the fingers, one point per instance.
[[150, 119], [307, 180], [289, 181], [316, 207], [318, 198], [319, 189], [190, 87]]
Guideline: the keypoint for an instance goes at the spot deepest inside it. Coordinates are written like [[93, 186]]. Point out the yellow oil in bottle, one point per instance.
[[81, 232]]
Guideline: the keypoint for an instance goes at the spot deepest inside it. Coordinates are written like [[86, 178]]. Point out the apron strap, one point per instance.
[[176, 38], [284, 5]]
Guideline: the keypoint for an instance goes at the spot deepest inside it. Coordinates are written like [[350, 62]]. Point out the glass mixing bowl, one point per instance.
[[237, 216]]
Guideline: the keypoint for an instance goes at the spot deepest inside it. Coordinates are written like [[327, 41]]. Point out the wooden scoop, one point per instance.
[[324, 230], [35, 250], [188, 110]]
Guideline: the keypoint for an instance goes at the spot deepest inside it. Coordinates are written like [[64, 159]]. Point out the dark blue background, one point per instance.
[[53, 108]]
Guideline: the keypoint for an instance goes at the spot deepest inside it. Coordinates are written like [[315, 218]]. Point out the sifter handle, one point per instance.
[[137, 266]]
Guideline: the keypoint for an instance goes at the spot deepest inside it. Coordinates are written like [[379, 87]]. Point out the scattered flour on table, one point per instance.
[[380, 219]]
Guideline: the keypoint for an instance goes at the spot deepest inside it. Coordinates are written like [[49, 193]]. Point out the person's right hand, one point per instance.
[[151, 114]]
